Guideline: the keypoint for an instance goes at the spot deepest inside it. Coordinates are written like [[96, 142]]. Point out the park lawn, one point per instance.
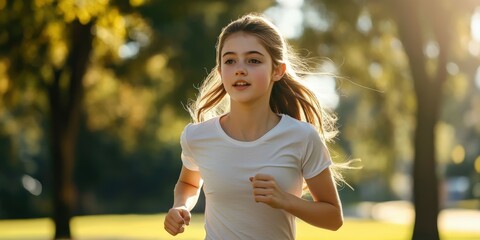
[[151, 227]]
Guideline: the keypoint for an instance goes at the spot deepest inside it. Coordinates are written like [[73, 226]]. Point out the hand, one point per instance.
[[266, 190], [176, 220]]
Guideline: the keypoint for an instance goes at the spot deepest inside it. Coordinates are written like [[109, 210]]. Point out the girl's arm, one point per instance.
[[186, 193], [187, 189], [324, 211]]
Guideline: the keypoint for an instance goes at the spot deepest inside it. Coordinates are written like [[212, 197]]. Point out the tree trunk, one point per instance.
[[65, 109], [428, 91], [425, 182]]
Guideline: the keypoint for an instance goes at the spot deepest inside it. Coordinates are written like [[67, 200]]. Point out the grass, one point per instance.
[[151, 227]]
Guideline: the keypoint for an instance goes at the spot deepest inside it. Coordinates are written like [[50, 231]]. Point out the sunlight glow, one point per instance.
[[375, 70], [291, 3], [452, 68], [4, 79], [32, 185], [475, 25], [288, 17], [431, 49], [129, 50], [477, 78], [458, 154], [474, 48], [315, 20], [477, 164], [324, 89], [364, 22]]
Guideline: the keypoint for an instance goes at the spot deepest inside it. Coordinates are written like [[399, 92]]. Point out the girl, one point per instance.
[[258, 135]]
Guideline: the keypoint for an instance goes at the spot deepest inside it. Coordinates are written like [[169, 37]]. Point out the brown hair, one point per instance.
[[289, 96]]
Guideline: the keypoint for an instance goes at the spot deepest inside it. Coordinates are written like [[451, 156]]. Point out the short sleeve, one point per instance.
[[187, 155], [316, 158]]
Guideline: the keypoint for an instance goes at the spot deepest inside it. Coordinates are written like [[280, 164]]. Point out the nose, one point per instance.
[[240, 71]]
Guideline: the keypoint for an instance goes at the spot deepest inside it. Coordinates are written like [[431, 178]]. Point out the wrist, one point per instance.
[[289, 202], [180, 206]]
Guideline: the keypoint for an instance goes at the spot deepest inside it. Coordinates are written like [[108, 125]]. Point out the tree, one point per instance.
[[428, 92], [64, 118], [431, 35], [419, 24], [60, 51], [62, 86], [50, 50]]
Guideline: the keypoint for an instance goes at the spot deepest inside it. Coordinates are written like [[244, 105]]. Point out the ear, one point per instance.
[[279, 71]]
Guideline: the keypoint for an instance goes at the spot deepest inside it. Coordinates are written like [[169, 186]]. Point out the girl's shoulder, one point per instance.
[[298, 126], [299, 130], [200, 128]]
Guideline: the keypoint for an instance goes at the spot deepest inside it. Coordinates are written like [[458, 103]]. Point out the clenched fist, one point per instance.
[[176, 220]]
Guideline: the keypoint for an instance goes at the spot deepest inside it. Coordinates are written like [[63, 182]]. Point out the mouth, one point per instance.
[[241, 83]]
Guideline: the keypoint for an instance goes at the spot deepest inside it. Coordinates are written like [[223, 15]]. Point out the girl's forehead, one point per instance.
[[241, 43]]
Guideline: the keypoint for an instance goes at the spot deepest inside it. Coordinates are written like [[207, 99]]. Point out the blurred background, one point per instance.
[[92, 96]]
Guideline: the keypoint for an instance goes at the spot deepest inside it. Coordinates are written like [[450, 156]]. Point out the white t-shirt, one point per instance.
[[290, 151]]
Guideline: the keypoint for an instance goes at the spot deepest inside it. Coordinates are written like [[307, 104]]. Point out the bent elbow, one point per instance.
[[338, 224]]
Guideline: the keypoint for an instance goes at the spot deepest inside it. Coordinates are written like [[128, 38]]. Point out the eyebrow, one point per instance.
[[247, 53]]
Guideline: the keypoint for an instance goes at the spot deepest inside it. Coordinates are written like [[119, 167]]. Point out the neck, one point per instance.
[[249, 123]]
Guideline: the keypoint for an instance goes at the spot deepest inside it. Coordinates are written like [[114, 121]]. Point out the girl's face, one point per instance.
[[246, 69]]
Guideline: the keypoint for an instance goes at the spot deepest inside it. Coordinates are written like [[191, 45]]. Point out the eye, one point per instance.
[[229, 61], [255, 61]]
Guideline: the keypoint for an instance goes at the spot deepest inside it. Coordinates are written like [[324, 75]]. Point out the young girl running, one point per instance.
[[258, 134]]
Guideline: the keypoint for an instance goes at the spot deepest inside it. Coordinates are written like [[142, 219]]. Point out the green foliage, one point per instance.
[[378, 105], [147, 59]]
